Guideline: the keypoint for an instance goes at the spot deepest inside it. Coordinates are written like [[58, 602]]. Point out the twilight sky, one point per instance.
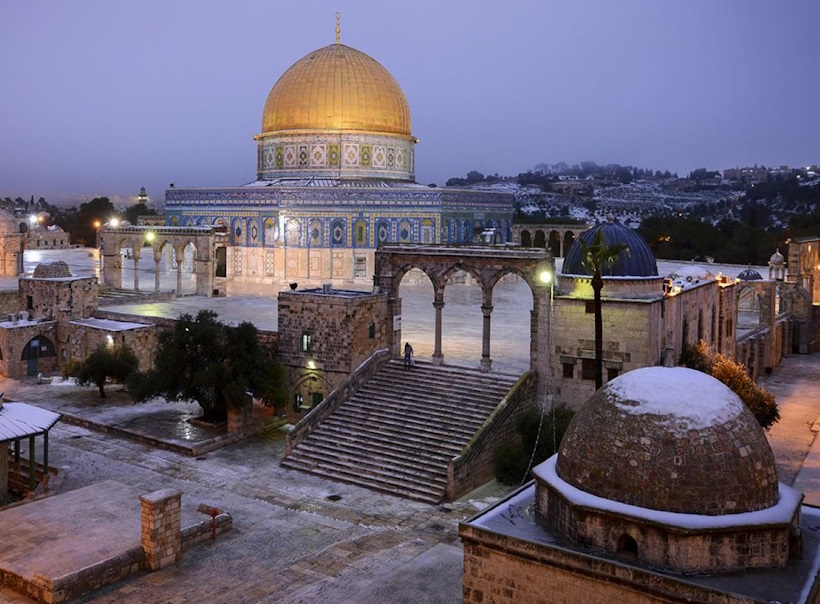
[[102, 97]]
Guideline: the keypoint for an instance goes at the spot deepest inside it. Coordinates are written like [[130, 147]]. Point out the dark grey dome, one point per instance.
[[640, 262], [750, 274]]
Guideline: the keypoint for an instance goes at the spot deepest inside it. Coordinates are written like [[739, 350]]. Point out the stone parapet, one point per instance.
[[161, 517]]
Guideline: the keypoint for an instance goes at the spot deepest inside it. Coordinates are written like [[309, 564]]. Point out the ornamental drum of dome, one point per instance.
[[336, 113]]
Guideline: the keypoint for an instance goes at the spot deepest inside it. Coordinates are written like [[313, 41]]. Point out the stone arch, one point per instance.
[[569, 239], [555, 243], [627, 546], [37, 348], [526, 239], [540, 239], [220, 224]]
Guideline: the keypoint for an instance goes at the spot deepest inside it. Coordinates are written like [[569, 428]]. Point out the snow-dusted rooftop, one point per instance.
[[18, 420], [108, 324]]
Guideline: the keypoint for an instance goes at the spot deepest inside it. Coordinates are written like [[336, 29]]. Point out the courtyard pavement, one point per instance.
[[300, 538]]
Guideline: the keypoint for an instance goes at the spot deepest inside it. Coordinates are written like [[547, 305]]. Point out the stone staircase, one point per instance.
[[400, 430]]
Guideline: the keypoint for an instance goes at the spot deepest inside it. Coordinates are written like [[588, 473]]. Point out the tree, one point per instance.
[[117, 363], [594, 258], [759, 401], [217, 365], [132, 213]]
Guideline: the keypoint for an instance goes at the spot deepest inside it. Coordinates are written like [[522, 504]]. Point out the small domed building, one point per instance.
[[648, 318], [335, 178], [664, 489]]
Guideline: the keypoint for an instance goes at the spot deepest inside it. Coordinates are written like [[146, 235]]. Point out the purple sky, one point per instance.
[[102, 97]]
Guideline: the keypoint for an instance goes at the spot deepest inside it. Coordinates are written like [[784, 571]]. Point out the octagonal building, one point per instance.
[[335, 178]]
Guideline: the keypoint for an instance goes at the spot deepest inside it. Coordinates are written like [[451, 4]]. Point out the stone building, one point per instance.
[[53, 324], [12, 243], [324, 334], [335, 178], [664, 489], [47, 237]]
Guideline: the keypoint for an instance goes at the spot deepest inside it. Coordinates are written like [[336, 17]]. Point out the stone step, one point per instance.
[[416, 492], [428, 377], [375, 463], [448, 445], [417, 428], [434, 407], [416, 453], [442, 414]]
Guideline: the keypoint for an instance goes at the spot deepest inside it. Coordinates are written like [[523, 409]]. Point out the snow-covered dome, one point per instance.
[[750, 274], [51, 270], [671, 439], [777, 258], [638, 262]]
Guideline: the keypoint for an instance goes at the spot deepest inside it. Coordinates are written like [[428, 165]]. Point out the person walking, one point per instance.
[[408, 355]]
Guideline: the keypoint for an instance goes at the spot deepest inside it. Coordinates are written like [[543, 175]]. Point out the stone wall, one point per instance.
[[60, 299], [76, 341], [16, 336], [9, 302], [474, 466], [503, 570], [161, 517], [332, 402], [323, 337]]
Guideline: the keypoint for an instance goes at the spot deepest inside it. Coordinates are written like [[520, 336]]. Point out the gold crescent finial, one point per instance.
[[338, 31]]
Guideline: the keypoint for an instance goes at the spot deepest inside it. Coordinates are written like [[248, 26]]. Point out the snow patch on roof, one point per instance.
[[685, 398], [108, 324]]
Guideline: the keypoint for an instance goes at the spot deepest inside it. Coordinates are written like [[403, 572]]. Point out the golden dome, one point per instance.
[[336, 88]]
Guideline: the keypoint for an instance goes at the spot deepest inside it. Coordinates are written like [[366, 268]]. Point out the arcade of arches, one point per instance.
[[199, 251], [555, 237], [487, 266]]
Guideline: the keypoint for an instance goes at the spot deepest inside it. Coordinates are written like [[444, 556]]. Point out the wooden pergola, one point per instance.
[[17, 422]]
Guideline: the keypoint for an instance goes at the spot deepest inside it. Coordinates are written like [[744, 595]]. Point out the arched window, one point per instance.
[[338, 234], [405, 232], [315, 233], [540, 239], [427, 232], [627, 546], [270, 231], [360, 233], [293, 233], [382, 232], [526, 239]]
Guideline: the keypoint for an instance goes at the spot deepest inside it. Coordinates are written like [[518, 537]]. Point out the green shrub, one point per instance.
[[512, 459], [760, 402]]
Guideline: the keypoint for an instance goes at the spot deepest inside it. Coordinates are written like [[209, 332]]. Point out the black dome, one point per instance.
[[750, 274], [640, 262]]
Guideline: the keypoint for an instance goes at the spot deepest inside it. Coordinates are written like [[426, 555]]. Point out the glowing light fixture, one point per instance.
[[311, 365], [149, 236], [33, 219], [114, 222], [545, 277]]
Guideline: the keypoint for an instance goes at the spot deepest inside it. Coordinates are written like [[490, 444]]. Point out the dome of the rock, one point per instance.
[[337, 88], [671, 439]]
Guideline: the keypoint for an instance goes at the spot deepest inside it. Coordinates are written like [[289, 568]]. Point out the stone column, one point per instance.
[[157, 260], [180, 261], [136, 271], [438, 304], [486, 362], [161, 522]]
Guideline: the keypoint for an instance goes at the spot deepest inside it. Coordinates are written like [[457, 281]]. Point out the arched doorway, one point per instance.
[[37, 349]]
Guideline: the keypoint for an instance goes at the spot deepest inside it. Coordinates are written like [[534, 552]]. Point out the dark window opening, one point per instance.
[[588, 369], [612, 373], [627, 546], [590, 307], [307, 342], [569, 370], [221, 262], [297, 402], [317, 398], [371, 331], [30, 302]]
